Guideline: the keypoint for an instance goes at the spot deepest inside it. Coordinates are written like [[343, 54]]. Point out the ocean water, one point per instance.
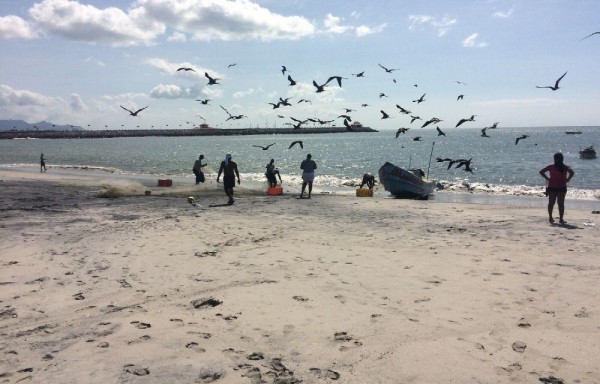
[[499, 166]]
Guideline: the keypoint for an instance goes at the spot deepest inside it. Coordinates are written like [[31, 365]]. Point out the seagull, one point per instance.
[[360, 74], [555, 87], [285, 102], [420, 99], [472, 118], [484, 132], [185, 69], [348, 110], [299, 142], [466, 163], [347, 125], [493, 126], [297, 126], [402, 110], [450, 161], [231, 65], [304, 101], [338, 78], [460, 82], [320, 88], [345, 117], [382, 95], [232, 117], [390, 70], [590, 35], [275, 105], [323, 122], [211, 81], [460, 97], [433, 120], [292, 81], [520, 138], [417, 138], [204, 102], [364, 105], [263, 148], [131, 112], [401, 130], [283, 70], [384, 115], [440, 132]]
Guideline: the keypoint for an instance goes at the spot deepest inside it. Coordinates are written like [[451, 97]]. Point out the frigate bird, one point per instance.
[[520, 138], [388, 70], [203, 102], [440, 132], [185, 69], [384, 115], [420, 99], [131, 112], [401, 130], [433, 120], [402, 110], [338, 78], [461, 121], [484, 132], [360, 74], [211, 81], [263, 148], [283, 70], [555, 87], [413, 118], [320, 88], [299, 142], [460, 97], [292, 81], [590, 35]]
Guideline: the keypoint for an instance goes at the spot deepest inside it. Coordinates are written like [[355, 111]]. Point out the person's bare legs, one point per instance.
[[560, 199], [303, 188], [551, 201], [309, 188]]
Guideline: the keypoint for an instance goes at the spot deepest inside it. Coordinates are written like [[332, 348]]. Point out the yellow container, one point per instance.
[[361, 192]]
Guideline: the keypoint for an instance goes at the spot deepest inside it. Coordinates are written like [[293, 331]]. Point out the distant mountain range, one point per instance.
[[20, 125]]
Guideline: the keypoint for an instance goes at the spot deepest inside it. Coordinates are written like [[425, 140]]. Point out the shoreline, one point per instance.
[[103, 134], [275, 288]]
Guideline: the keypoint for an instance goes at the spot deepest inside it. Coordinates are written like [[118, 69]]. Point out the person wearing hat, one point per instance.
[[308, 167], [230, 171]]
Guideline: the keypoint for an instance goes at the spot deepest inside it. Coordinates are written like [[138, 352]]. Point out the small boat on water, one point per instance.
[[588, 153], [573, 132], [405, 183]]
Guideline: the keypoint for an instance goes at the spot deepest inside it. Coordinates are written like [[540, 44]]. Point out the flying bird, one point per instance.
[[275, 105], [203, 102], [466, 164], [520, 138], [360, 74], [285, 102], [420, 99], [384, 115], [292, 81], [417, 138], [185, 69], [401, 130], [413, 118], [460, 97], [440, 132], [347, 125], [263, 148], [460, 82], [388, 70], [338, 78], [131, 112], [555, 87], [433, 120], [402, 110], [304, 101], [493, 126], [382, 95], [283, 70], [231, 65], [345, 117], [299, 142], [461, 121], [320, 88], [484, 132], [211, 81], [590, 35]]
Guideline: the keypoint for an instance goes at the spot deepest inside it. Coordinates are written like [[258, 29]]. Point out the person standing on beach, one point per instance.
[[42, 163], [308, 167], [198, 170], [560, 175], [229, 170]]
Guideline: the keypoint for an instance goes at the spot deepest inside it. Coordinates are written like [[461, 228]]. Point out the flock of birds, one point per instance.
[[336, 80]]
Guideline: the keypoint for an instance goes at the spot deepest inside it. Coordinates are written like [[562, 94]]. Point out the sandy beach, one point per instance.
[[101, 283]]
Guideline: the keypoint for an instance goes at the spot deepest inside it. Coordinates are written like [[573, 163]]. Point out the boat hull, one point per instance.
[[404, 184], [588, 153]]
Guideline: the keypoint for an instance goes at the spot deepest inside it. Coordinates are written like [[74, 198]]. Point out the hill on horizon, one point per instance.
[[21, 125]]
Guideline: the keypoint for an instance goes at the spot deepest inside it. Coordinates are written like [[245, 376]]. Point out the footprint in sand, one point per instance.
[[342, 336], [141, 325], [519, 346], [342, 299], [136, 370], [205, 303], [325, 373], [256, 356], [140, 339], [300, 298], [104, 344], [78, 296], [551, 380], [178, 322], [210, 377], [582, 313], [195, 347]]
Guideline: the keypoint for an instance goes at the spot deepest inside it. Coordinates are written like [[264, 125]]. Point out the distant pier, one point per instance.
[[102, 134]]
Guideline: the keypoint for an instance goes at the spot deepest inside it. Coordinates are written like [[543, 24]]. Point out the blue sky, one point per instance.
[[77, 61]]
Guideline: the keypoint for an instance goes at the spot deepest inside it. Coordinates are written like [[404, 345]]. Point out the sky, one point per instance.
[[80, 62]]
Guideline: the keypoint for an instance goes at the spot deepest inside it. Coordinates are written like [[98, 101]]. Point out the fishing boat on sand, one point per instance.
[[410, 183], [588, 153]]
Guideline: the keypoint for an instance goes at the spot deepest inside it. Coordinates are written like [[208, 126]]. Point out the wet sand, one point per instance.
[[133, 288]]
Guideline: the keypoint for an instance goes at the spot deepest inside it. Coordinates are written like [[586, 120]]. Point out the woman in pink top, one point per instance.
[[560, 175]]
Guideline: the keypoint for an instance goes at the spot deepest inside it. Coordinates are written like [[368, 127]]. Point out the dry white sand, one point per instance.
[[152, 289]]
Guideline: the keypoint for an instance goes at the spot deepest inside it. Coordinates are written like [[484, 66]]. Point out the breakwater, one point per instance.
[[100, 134]]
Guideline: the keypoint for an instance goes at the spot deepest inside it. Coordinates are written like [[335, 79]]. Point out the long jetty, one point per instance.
[[102, 134]]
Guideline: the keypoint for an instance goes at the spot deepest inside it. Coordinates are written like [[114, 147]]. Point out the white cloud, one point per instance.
[[364, 30], [248, 92], [503, 14], [170, 68], [173, 91], [77, 103], [471, 42], [21, 98], [178, 37], [332, 24], [94, 61], [443, 25], [15, 27]]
